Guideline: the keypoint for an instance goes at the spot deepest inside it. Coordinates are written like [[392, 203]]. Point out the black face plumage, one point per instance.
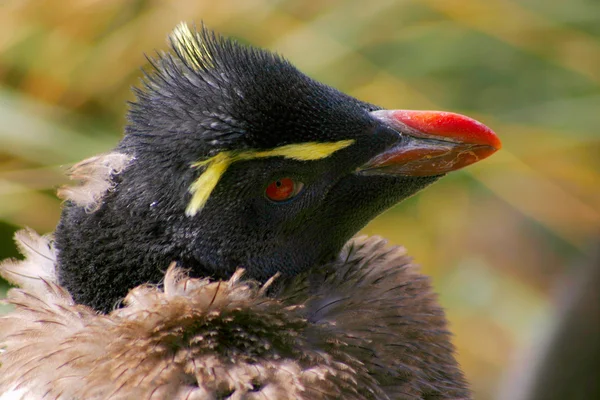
[[211, 96]]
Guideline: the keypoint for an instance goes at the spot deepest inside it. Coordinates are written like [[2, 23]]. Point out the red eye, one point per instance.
[[283, 189]]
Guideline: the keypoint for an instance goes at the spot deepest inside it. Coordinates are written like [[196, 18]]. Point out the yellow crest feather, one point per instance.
[[217, 165], [191, 47]]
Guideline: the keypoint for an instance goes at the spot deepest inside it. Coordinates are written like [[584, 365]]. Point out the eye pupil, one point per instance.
[[283, 189]]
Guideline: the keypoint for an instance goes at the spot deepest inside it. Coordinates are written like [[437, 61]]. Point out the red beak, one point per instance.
[[435, 142]]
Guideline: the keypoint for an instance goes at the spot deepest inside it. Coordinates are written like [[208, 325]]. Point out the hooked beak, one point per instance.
[[433, 143]]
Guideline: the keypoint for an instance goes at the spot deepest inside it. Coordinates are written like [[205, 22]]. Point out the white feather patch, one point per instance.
[[38, 268], [95, 174], [18, 394]]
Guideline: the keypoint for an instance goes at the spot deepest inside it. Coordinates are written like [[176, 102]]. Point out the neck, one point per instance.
[[329, 310]]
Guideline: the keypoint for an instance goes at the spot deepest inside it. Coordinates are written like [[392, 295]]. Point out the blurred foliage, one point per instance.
[[496, 237]]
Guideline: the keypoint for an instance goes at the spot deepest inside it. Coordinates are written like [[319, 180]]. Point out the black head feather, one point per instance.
[[230, 96], [206, 96]]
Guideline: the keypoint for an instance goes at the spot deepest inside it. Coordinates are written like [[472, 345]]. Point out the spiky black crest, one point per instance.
[[232, 96]]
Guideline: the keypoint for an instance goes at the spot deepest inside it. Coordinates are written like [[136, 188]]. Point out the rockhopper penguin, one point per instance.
[[249, 179]]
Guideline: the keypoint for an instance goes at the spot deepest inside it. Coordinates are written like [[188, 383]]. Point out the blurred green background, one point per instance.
[[498, 237]]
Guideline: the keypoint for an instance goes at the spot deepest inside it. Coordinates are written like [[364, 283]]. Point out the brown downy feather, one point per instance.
[[366, 326]]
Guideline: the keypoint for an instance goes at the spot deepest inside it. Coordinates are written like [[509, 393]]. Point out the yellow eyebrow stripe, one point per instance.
[[217, 165], [304, 151], [205, 184]]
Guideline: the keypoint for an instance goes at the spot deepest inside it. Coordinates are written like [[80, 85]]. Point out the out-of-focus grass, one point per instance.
[[496, 237]]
